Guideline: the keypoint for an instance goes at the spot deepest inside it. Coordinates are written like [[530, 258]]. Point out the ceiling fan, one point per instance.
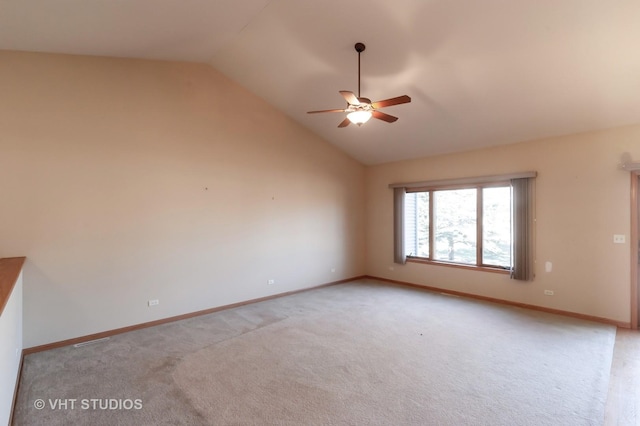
[[360, 109]]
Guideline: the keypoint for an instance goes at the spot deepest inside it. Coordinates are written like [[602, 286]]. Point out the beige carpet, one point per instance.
[[359, 353]]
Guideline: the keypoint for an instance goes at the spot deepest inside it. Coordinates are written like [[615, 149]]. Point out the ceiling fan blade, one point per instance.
[[326, 110], [350, 97], [384, 117], [393, 101], [344, 123]]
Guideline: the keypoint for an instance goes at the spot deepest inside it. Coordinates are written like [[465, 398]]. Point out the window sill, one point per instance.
[[459, 265]]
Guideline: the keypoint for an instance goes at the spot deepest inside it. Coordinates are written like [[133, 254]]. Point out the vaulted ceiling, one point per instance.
[[480, 73]]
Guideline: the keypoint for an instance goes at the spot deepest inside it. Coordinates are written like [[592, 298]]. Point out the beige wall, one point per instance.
[[582, 200], [129, 180]]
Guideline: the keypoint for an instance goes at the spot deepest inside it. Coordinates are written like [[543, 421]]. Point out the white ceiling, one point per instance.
[[479, 73]]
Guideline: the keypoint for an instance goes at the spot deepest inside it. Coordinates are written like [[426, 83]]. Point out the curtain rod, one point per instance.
[[627, 163], [464, 181], [630, 167]]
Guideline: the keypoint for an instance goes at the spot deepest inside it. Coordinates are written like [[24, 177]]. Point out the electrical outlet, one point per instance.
[[153, 302], [271, 282], [619, 238], [391, 268], [548, 292]]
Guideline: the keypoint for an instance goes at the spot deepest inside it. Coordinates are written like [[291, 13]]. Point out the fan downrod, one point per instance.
[[359, 48]]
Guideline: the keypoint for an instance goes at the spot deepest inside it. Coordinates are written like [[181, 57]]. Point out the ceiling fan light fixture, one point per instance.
[[359, 110], [359, 117]]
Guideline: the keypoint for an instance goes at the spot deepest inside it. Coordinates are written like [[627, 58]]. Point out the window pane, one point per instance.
[[496, 226], [455, 225], [416, 224], [423, 223]]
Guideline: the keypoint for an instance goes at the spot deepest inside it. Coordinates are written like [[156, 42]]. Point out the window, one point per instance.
[[470, 226], [496, 226], [484, 223]]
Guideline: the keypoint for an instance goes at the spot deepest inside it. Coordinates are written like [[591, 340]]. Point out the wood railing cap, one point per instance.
[[10, 268]]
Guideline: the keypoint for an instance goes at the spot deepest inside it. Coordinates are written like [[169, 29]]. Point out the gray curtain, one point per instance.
[[399, 256], [522, 229]]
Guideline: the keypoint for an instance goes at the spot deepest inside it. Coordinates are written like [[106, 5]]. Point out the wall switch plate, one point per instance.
[[619, 238]]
